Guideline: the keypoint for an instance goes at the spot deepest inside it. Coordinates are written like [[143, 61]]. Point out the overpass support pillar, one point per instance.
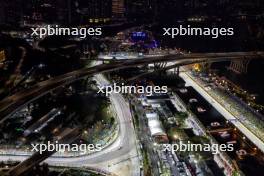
[[239, 66], [178, 71]]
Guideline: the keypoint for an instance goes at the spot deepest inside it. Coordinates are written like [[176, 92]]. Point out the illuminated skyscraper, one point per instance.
[[118, 10], [95, 11], [2, 55], [82, 12]]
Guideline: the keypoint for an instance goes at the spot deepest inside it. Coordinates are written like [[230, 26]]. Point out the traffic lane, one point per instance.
[[145, 138], [126, 143], [174, 169], [21, 99], [114, 66], [37, 157], [126, 131]]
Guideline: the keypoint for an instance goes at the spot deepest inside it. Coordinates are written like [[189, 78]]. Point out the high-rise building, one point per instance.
[[82, 12], [95, 11], [2, 56], [118, 10]]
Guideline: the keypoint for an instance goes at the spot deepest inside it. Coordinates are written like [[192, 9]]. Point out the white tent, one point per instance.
[[155, 127]]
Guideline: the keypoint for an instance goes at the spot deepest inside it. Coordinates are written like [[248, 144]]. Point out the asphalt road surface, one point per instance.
[[123, 147]]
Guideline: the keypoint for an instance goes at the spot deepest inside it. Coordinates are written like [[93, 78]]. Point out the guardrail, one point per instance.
[[11, 150], [86, 169]]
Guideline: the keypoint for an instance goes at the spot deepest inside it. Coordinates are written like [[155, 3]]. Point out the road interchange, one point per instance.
[[11, 104]]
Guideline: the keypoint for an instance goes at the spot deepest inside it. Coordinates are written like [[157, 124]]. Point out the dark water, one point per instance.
[[212, 115]]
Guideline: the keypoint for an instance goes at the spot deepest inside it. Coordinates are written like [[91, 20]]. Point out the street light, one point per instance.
[[175, 136]]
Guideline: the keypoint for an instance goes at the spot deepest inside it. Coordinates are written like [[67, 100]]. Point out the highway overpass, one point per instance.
[[15, 102]]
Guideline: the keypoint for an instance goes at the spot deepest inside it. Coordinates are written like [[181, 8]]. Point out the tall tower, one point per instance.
[[2, 56], [94, 11], [118, 10]]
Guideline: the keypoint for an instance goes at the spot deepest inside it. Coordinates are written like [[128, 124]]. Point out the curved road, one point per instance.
[[124, 147], [13, 103]]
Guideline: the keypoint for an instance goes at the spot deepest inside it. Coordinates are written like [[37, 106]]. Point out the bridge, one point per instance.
[[11, 104]]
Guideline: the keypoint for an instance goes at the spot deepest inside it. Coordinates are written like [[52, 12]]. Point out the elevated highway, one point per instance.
[[11, 104], [123, 149]]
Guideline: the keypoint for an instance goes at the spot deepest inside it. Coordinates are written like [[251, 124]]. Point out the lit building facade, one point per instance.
[[118, 10], [2, 56]]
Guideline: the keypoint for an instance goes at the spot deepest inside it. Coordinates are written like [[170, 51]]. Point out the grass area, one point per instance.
[[177, 133], [73, 172], [181, 117], [103, 128], [104, 113], [136, 119], [62, 171], [146, 164]]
